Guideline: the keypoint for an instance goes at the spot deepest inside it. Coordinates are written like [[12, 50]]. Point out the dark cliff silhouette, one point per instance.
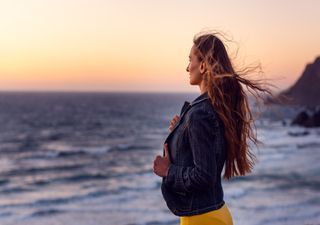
[[306, 93], [306, 90]]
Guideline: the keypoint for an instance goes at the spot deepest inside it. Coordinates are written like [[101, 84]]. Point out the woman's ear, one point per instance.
[[202, 68]]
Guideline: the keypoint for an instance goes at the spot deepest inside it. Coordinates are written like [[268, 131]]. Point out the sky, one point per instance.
[[143, 45]]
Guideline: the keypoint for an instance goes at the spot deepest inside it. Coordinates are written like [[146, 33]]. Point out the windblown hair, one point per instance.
[[230, 101]]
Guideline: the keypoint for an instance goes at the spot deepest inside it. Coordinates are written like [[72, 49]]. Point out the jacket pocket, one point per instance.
[[184, 201]]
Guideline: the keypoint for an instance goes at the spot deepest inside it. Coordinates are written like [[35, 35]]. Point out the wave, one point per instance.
[[129, 147], [46, 212], [5, 214], [89, 151], [59, 201], [84, 177], [4, 181], [283, 181], [71, 179], [15, 190], [31, 171]]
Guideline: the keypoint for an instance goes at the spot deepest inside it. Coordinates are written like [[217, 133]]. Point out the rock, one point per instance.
[[301, 119], [316, 119], [306, 89], [306, 120], [297, 134]]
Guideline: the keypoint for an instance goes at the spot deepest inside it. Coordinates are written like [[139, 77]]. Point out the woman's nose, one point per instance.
[[187, 69]]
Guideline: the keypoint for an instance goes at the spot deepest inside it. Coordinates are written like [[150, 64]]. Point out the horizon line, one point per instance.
[[98, 91]]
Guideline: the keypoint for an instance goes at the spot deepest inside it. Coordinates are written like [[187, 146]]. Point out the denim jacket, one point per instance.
[[197, 150]]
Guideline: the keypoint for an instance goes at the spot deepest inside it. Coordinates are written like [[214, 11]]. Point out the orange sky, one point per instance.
[[143, 45]]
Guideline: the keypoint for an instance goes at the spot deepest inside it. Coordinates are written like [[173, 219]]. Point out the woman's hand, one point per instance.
[[173, 121], [161, 164]]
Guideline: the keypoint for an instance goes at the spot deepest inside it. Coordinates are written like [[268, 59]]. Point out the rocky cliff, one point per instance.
[[306, 91]]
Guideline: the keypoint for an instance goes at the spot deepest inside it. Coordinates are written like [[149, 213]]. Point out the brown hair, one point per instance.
[[230, 101]]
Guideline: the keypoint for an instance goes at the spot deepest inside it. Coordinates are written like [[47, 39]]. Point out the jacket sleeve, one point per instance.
[[202, 131]]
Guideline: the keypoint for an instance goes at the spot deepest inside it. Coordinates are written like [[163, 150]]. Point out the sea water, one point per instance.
[[86, 159]]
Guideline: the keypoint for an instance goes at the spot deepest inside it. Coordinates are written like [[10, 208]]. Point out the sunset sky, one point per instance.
[[143, 45]]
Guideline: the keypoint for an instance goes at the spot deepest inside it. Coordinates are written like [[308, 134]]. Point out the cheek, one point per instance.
[[192, 67]]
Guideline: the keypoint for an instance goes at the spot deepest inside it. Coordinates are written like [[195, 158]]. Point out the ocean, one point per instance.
[[86, 159]]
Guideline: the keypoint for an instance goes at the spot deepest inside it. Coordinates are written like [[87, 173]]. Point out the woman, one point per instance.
[[211, 132]]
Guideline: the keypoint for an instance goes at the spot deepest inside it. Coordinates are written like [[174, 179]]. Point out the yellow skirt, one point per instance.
[[221, 216]]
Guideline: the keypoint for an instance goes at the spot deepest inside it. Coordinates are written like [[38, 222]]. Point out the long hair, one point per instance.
[[230, 101]]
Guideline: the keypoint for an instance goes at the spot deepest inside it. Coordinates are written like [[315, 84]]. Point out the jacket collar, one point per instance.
[[200, 98], [185, 108]]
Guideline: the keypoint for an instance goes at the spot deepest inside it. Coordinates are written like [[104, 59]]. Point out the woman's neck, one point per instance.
[[203, 87]]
